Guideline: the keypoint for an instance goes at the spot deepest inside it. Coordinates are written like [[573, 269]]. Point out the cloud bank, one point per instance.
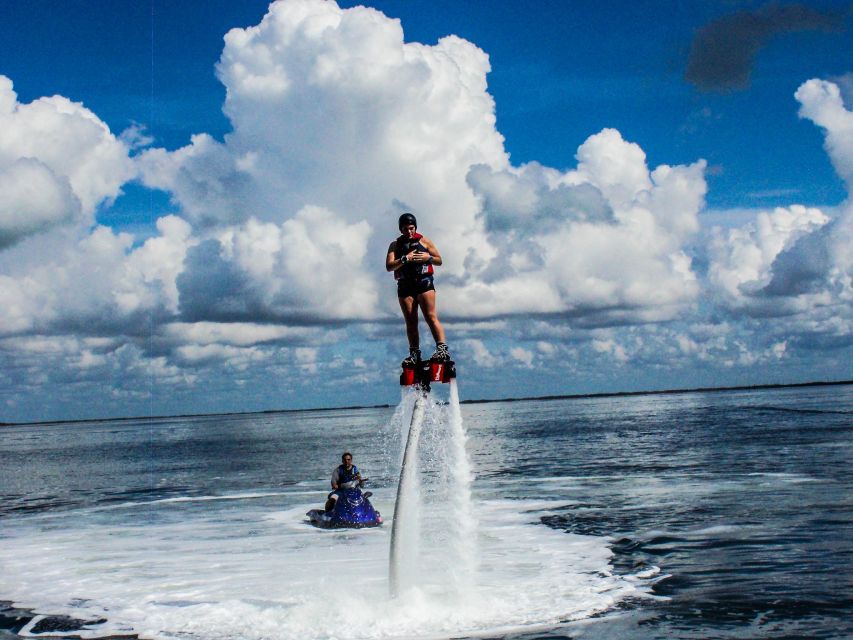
[[274, 260], [796, 261], [602, 243]]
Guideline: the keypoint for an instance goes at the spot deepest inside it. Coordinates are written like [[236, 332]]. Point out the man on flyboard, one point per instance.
[[412, 257]]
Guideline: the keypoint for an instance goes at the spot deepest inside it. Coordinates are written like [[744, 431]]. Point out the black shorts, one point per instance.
[[407, 288]]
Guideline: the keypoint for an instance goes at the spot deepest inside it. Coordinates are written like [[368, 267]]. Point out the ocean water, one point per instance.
[[695, 515]]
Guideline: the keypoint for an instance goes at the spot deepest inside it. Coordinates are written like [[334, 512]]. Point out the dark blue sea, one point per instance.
[[692, 515]]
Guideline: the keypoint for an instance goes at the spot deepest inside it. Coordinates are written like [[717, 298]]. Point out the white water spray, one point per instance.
[[457, 525], [405, 535], [464, 541]]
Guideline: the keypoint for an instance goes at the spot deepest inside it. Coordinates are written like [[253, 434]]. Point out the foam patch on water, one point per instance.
[[249, 565], [238, 569]]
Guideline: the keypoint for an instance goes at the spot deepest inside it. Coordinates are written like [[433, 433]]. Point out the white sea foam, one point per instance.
[[255, 574], [793, 478], [236, 496], [236, 568]]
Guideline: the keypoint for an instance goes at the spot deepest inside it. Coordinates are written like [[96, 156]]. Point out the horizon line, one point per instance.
[[548, 398]]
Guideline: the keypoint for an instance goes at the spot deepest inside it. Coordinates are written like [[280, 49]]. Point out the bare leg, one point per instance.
[[426, 301], [330, 504], [410, 315]]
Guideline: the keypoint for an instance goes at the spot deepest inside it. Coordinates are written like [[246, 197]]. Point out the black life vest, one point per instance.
[[411, 270]]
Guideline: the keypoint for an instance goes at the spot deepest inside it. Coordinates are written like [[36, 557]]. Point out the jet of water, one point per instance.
[[443, 455]]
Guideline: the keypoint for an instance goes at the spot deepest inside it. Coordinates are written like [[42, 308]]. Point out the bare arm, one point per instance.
[[392, 263], [431, 252]]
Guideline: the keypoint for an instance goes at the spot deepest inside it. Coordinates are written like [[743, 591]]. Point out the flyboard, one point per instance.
[[419, 376]]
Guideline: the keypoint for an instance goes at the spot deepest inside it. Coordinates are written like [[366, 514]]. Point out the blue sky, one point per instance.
[[559, 72], [732, 269]]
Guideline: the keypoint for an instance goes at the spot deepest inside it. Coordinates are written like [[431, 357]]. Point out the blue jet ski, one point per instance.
[[352, 510]]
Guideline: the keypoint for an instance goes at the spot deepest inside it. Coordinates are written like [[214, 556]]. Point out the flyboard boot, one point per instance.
[[441, 353], [413, 358]]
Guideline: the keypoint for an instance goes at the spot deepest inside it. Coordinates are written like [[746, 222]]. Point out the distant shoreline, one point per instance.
[[573, 396], [614, 394]]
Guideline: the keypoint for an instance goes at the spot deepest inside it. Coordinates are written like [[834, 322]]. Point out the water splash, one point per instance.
[[464, 541], [405, 531], [434, 501]]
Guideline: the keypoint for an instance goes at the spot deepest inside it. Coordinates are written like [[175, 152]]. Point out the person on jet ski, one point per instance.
[[411, 257], [343, 477]]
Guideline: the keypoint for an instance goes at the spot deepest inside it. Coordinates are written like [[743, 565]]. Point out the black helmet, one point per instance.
[[406, 219]]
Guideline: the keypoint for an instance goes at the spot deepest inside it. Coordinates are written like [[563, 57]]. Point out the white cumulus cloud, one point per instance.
[[743, 257], [339, 124], [331, 108], [96, 283], [32, 199], [605, 240], [298, 270], [822, 103], [796, 260], [58, 162]]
